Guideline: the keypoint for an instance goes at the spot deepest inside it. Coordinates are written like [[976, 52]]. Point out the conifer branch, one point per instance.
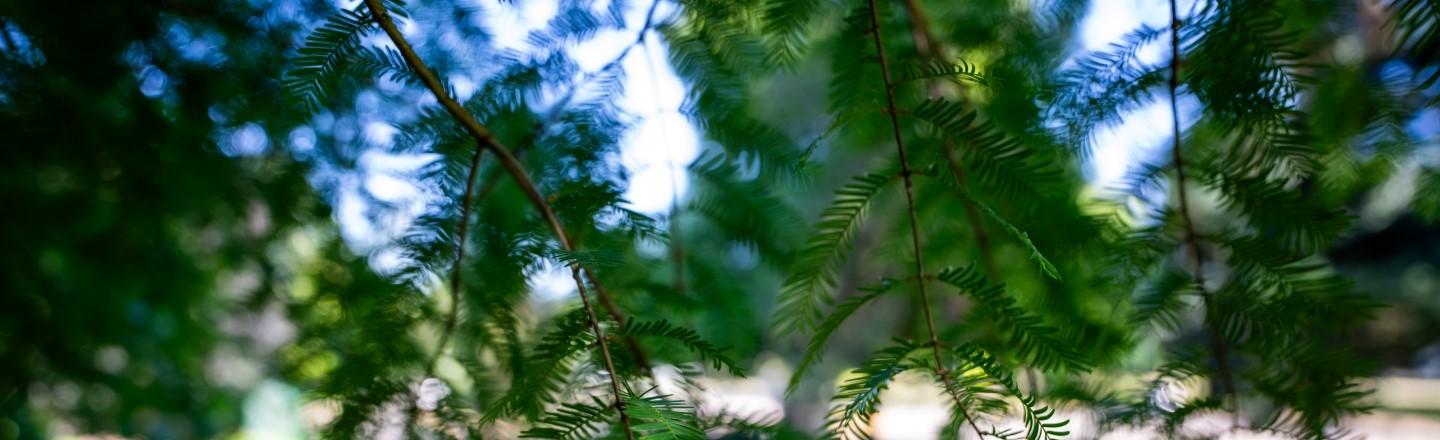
[[930, 48], [914, 221], [606, 300], [641, 359], [487, 140], [1218, 348]]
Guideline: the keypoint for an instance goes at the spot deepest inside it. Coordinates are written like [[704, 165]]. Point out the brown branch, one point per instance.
[[488, 141], [641, 359], [611, 309], [601, 293], [929, 47], [1217, 344], [914, 221]]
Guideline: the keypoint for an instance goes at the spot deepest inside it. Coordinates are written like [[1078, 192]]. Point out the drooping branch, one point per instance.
[[930, 48], [1218, 349], [452, 316], [905, 174], [487, 140]]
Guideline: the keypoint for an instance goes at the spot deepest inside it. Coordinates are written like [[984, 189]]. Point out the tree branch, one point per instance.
[[929, 47], [488, 141], [914, 221], [1217, 345]]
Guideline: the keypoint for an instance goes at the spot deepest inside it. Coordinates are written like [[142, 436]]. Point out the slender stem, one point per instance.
[[636, 352], [1217, 344], [453, 315], [914, 221], [551, 115], [929, 47], [507, 160]]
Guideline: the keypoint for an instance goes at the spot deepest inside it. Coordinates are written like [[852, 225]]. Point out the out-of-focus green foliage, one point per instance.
[[180, 181]]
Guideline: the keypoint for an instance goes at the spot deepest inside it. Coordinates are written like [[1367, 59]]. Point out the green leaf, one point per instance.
[[324, 53], [1040, 420], [1104, 86], [1427, 195], [1161, 301], [1300, 223], [785, 27], [1030, 337], [687, 337], [1046, 266], [661, 418], [959, 69], [815, 348], [859, 397], [589, 258], [994, 160], [548, 365], [806, 290], [746, 210], [572, 421]]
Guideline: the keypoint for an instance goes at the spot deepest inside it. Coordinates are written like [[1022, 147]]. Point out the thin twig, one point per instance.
[[453, 316], [554, 113], [487, 140], [914, 221], [1217, 344], [585, 80], [640, 358], [929, 47]]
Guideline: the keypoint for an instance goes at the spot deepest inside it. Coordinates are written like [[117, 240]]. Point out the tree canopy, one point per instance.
[[202, 236]]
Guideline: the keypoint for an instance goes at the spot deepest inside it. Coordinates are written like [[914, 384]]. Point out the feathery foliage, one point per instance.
[[547, 368], [571, 421], [939, 69], [807, 289], [1022, 237], [815, 348], [1040, 420], [687, 337], [858, 398], [999, 162], [1030, 337], [414, 216], [324, 53], [662, 418]]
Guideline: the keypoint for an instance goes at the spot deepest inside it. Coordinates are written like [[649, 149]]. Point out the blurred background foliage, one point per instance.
[[204, 239]]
